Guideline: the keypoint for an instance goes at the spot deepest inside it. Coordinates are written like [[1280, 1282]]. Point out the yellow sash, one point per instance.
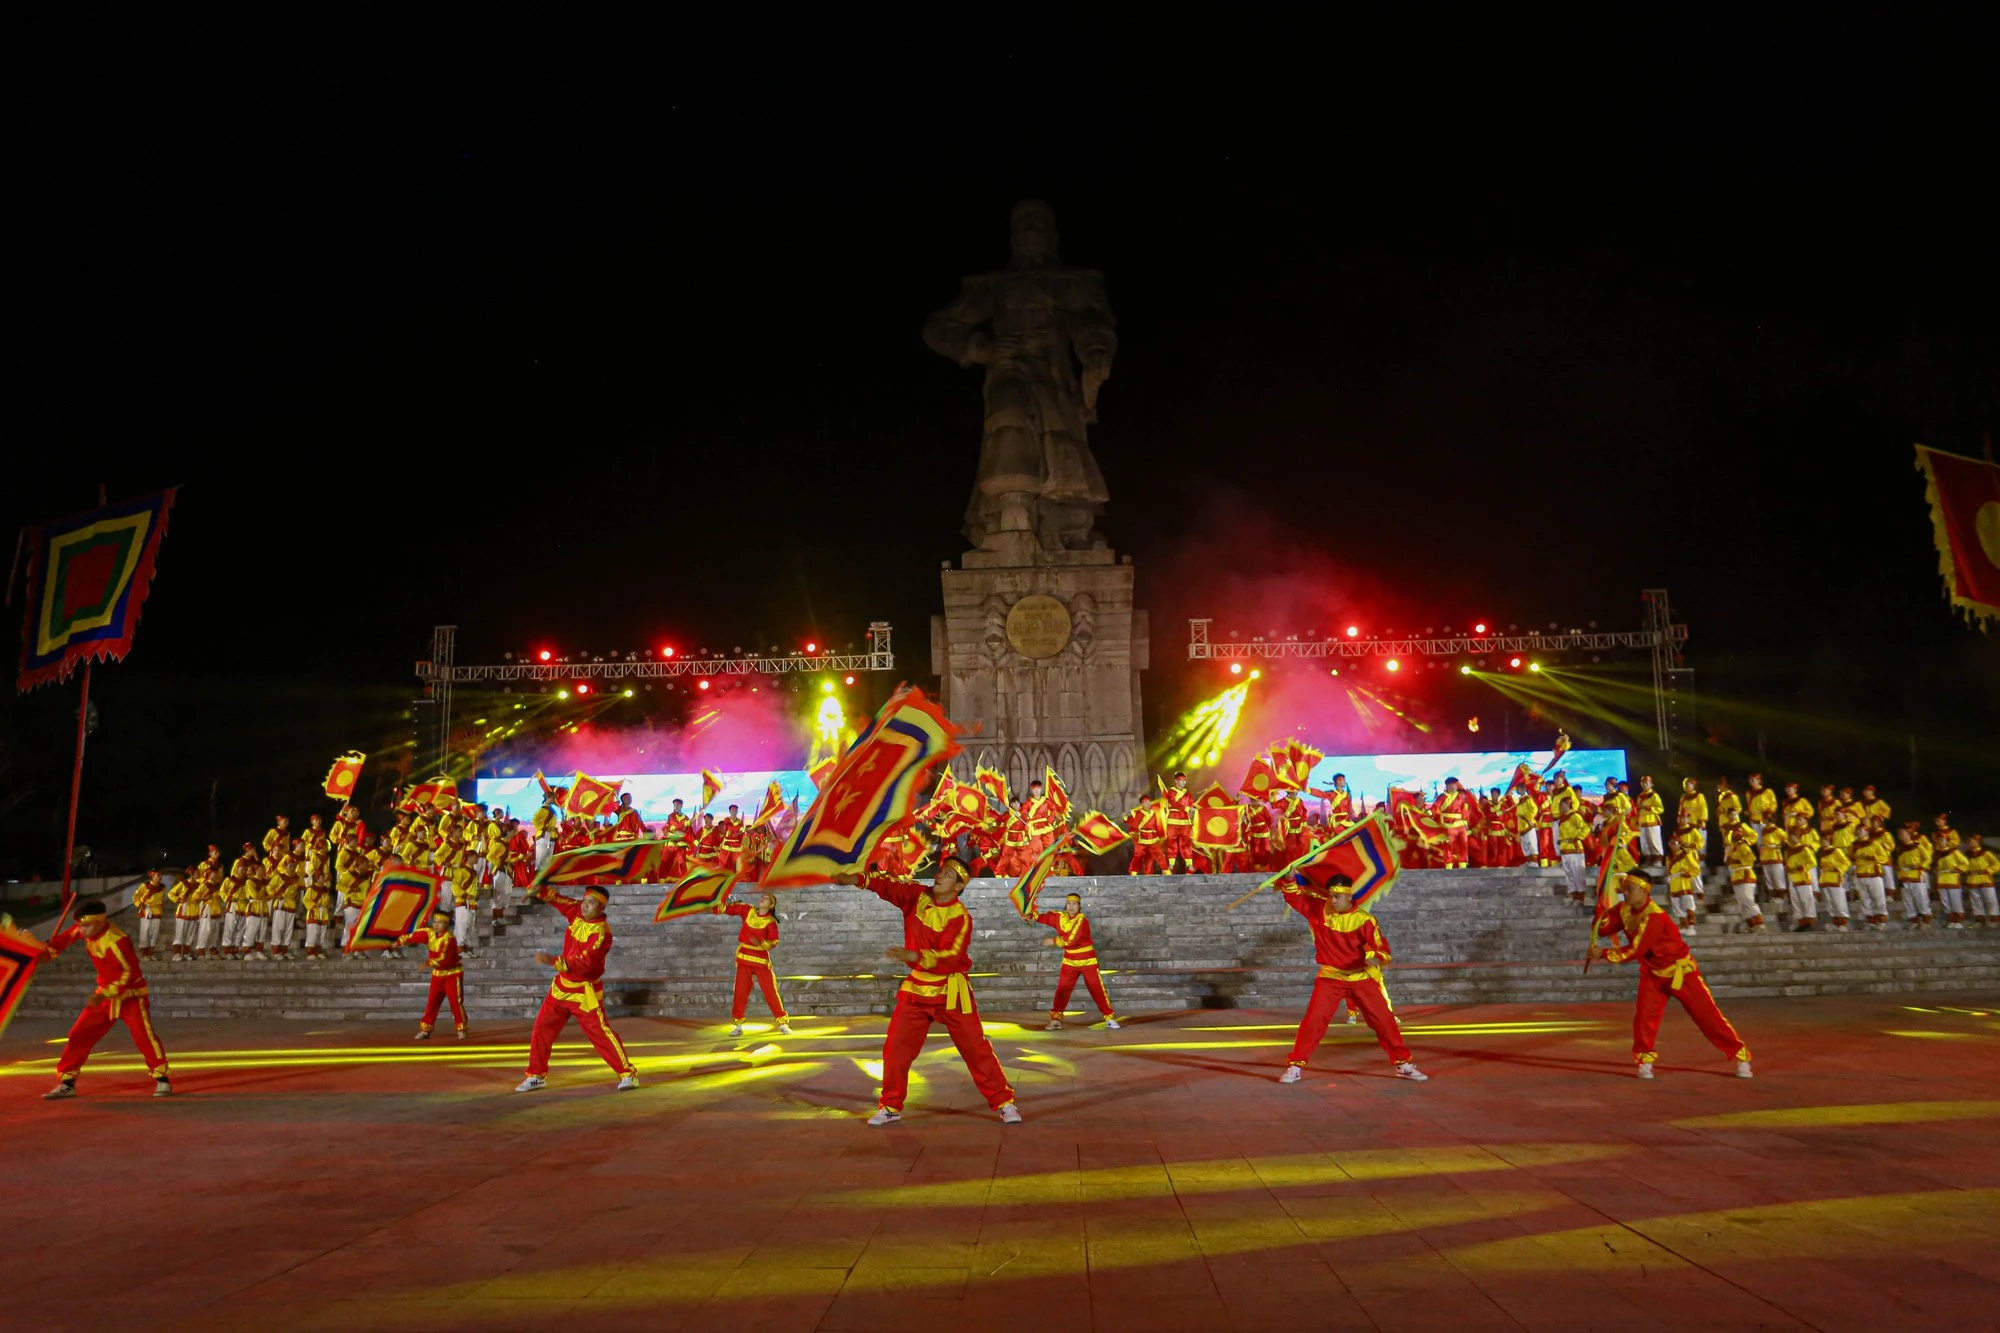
[[1677, 971]]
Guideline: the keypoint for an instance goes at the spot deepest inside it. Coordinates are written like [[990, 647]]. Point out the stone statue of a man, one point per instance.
[[1032, 325]]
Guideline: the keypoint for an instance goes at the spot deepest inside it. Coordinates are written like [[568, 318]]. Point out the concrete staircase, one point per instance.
[[1166, 942]]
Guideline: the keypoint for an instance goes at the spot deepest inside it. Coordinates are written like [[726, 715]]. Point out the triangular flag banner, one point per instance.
[[87, 578], [698, 892], [1365, 853], [20, 954], [1098, 833], [401, 899], [872, 792], [1029, 887], [345, 773], [635, 862]]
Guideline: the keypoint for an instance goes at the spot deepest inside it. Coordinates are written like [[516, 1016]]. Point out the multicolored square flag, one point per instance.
[[20, 954], [345, 773], [635, 862], [873, 791], [1365, 853], [1098, 833], [401, 899], [87, 578], [1028, 888], [702, 891], [1964, 496]]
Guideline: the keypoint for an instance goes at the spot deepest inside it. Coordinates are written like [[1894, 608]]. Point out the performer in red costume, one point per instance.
[[1079, 960], [1456, 811], [937, 935], [630, 827], [447, 973], [1147, 823], [678, 830], [754, 941], [578, 989], [1179, 804], [1665, 971], [120, 994], [1351, 949]]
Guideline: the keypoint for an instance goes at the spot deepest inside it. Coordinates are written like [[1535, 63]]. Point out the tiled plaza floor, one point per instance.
[[308, 1178]]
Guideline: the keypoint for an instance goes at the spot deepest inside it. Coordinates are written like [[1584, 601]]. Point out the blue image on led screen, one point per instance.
[[653, 794], [1371, 775]]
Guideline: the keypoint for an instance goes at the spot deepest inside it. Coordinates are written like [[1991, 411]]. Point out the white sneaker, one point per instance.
[[1352, 1018], [423, 1034], [1113, 1024], [1743, 1069], [736, 1031], [784, 1029], [1410, 1071], [628, 1082], [1010, 1114], [1645, 1071], [884, 1116], [1054, 1025], [1292, 1074], [1688, 929], [532, 1083], [162, 1088], [61, 1090]]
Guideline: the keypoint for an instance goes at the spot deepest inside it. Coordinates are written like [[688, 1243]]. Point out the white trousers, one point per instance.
[[1530, 846], [204, 937], [1874, 896], [183, 925], [1573, 872], [353, 915], [544, 849], [315, 934], [253, 931], [1772, 876], [1916, 899], [461, 926], [232, 928], [1836, 899], [1683, 905], [1986, 901], [1650, 843], [281, 927], [503, 884], [1954, 901], [149, 931], [1746, 899], [1804, 905]]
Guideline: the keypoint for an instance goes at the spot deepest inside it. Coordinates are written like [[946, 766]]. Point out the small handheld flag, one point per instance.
[[711, 787], [345, 773], [634, 862], [1098, 833], [1029, 887], [401, 899], [1364, 852], [1259, 781], [589, 797], [698, 892]]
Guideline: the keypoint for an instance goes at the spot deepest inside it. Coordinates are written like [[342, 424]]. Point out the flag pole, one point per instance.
[[76, 773]]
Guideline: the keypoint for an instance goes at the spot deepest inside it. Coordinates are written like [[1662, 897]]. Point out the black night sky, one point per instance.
[[603, 331]]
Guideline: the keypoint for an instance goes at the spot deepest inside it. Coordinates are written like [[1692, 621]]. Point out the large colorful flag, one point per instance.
[[1215, 798], [1365, 853], [1098, 833], [20, 954], [818, 773], [774, 802], [1604, 919], [872, 792], [1964, 496], [1414, 818], [1292, 764], [1217, 827], [967, 808], [589, 797], [635, 862], [401, 899], [1260, 781], [87, 578], [345, 773], [711, 787], [1028, 888], [994, 784], [698, 892]]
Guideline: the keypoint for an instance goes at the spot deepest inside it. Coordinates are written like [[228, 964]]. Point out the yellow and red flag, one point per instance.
[[994, 784], [818, 773], [589, 797], [1055, 797], [1215, 798], [345, 773], [1964, 496], [87, 578], [634, 862], [1365, 853], [439, 793], [1218, 827], [871, 793], [700, 891], [1098, 833], [400, 899], [1261, 781], [711, 786], [20, 954], [1028, 888], [774, 804], [1414, 818]]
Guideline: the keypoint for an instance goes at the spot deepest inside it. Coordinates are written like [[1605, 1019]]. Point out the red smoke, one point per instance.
[[736, 733]]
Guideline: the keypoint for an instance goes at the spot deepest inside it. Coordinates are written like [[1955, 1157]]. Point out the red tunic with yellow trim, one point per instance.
[[579, 975], [757, 937], [116, 959], [441, 948], [1654, 942], [1348, 946], [1073, 934], [941, 937]]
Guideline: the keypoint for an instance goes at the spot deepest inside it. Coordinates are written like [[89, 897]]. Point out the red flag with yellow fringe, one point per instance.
[[1964, 498], [1098, 833], [345, 773]]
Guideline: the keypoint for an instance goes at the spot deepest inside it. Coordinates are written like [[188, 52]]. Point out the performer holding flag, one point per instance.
[[1666, 970], [578, 989], [1079, 961], [120, 994], [754, 941], [1351, 950]]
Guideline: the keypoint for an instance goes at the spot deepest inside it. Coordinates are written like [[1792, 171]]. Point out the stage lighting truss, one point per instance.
[[878, 657]]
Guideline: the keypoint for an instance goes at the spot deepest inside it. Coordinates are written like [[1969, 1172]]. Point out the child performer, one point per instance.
[[447, 972], [1079, 959], [754, 942]]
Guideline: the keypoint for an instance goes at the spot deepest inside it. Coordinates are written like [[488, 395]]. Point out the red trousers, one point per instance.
[[1366, 998], [1146, 859], [1066, 986], [1701, 1007], [911, 1023], [555, 1016], [1457, 846], [96, 1020], [767, 981], [445, 988], [1179, 845]]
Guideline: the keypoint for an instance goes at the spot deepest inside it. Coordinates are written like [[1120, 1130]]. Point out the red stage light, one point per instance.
[[583, 687], [1235, 668], [667, 651], [1353, 631], [702, 686], [544, 654], [1393, 665], [1480, 628], [812, 647], [849, 680], [1514, 662]]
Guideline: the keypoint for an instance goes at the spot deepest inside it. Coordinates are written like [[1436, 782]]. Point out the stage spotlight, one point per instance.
[[812, 647], [1534, 666], [583, 687], [1480, 628], [1255, 674], [1514, 662], [628, 694], [562, 694], [702, 685], [1392, 665], [848, 680], [667, 651], [1465, 671], [1235, 668], [1472, 724], [1353, 631], [826, 687], [544, 654], [1333, 671]]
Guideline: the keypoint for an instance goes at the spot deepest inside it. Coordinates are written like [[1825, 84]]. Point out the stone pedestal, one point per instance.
[[1040, 653]]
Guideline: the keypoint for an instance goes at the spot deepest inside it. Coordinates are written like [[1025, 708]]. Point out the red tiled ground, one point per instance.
[[307, 1179]]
